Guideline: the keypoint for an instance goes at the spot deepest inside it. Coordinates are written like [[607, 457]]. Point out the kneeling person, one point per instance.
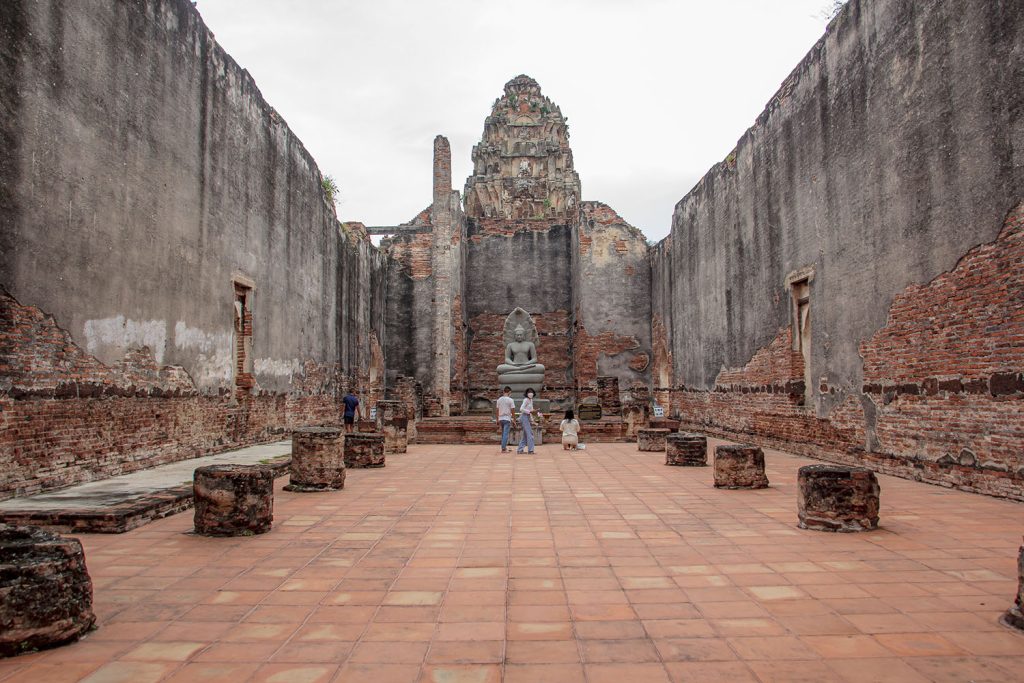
[[570, 428]]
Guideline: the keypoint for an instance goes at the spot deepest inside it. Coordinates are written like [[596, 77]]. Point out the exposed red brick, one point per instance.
[[487, 351], [588, 348], [945, 377], [68, 418]]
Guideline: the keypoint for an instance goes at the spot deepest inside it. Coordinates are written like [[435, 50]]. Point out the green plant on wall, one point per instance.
[[330, 188]]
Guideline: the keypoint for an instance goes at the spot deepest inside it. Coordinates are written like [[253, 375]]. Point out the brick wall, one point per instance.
[[943, 394], [611, 300], [65, 417], [487, 351]]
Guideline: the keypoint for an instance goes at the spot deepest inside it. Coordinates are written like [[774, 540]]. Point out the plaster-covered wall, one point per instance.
[[143, 174], [894, 148]]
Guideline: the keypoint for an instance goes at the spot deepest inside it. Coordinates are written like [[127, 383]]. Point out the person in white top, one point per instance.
[[525, 411], [503, 409], [570, 431]]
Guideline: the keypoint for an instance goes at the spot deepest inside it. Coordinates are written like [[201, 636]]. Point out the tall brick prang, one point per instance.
[[443, 263]]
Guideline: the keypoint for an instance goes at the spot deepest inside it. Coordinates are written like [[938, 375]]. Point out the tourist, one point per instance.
[[525, 413], [570, 428], [351, 410], [503, 408]]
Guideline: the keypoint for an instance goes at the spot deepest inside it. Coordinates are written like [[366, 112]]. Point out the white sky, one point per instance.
[[656, 91]]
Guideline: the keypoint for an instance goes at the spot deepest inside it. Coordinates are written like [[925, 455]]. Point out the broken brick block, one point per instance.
[[364, 450], [651, 439], [318, 459], [233, 500], [686, 449], [45, 590], [739, 466], [837, 498]]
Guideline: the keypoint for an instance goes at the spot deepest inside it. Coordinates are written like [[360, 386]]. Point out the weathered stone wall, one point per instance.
[[884, 174], [611, 299], [524, 263], [144, 184], [424, 311]]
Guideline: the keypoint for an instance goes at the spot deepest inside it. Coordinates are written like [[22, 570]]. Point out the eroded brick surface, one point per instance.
[[942, 384], [233, 500], [739, 467], [686, 449], [318, 459], [393, 424], [45, 590], [487, 351], [364, 450], [653, 440], [837, 498]]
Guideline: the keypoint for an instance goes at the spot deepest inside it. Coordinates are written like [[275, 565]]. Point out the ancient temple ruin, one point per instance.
[[523, 241], [843, 282]]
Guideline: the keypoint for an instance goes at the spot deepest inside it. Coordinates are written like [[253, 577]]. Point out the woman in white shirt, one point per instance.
[[525, 410], [570, 431]]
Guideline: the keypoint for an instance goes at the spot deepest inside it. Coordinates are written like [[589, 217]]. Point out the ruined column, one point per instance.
[[686, 450], [739, 467], [45, 590], [1014, 616], [233, 500], [442, 267], [392, 423], [364, 450], [837, 498], [408, 391], [318, 459], [651, 439]]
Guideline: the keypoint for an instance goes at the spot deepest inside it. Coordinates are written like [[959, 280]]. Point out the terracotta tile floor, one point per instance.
[[456, 563]]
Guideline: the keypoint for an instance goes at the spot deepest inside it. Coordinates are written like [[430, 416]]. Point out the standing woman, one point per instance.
[[525, 411]]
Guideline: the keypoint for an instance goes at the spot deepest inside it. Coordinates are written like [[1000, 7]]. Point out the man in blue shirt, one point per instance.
[[351, 406]]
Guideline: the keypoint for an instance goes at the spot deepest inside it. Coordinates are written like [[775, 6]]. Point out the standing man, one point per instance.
[[503, 408], [351, 410]]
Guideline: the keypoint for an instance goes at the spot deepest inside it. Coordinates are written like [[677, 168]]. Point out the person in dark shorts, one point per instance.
[[351, 402]]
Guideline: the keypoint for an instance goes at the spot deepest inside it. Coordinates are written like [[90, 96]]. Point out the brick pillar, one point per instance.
[[608, 396], [442, 257], [393, 424], [409, 392]]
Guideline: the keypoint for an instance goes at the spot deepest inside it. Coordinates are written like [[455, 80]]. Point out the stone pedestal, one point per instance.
[[233, 500], [1014, 616], [608, 396], [687, 450], [739, 467], [318, 459], [45, 590], [393, 424], [364, 450], [837, 498], [651, 439]]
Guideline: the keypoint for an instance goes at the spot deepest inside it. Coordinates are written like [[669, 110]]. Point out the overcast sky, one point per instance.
[[656, 91]]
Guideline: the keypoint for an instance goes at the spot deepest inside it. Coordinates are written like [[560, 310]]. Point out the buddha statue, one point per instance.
[[521, 369]]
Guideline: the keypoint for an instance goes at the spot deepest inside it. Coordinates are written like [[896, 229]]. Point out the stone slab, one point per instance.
[[119, 504]]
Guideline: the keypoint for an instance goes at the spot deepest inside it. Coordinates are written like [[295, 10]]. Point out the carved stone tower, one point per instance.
[[522, 168]]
